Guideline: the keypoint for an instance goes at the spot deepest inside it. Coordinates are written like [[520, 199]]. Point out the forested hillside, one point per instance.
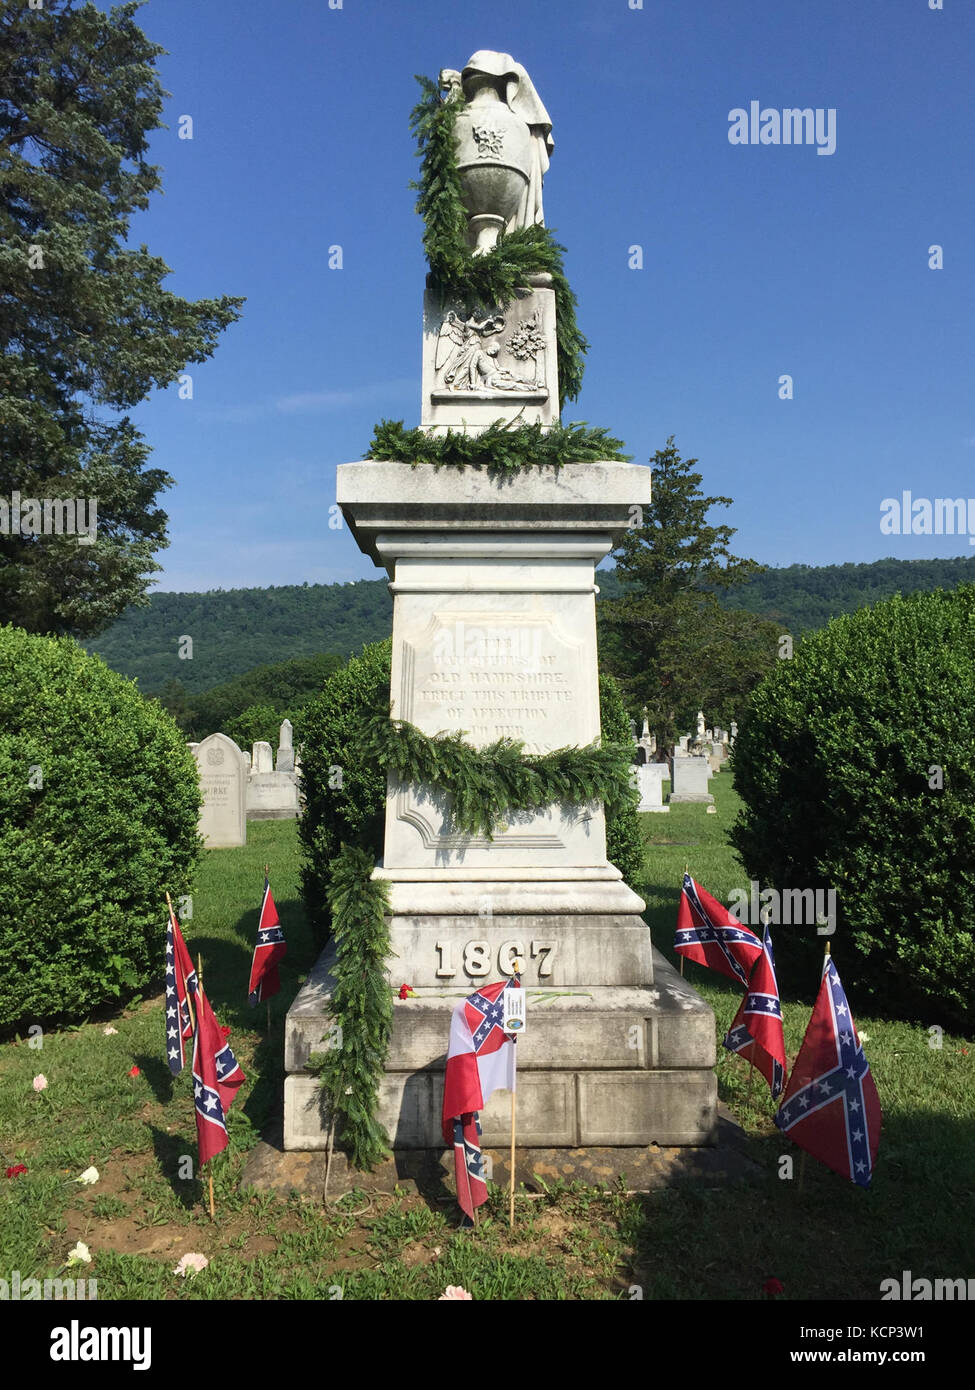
[[803, 597], [235, 630]]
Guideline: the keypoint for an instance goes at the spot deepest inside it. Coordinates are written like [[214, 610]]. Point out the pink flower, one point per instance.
[[40, 1082], [773, 1287], [134, 1071], [16, 1170], [455, 1291], [191, 1264]]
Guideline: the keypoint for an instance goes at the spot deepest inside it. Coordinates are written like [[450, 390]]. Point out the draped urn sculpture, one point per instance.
[[503, 140]]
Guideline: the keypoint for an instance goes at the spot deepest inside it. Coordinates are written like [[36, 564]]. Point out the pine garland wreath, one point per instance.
[[361, 1006], [499, 448], [486, 784], [485, 282]]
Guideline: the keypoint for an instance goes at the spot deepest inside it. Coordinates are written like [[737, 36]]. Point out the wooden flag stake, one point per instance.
[[511, 1194], [267, 1001], [681, 957], [199, 976], [516, 966]]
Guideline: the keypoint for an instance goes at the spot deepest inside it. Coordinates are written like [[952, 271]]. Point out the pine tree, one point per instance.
[[84, 319], [672, 645]]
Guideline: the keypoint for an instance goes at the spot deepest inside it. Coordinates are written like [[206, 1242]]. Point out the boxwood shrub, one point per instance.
[[99, 801], [855, 761]]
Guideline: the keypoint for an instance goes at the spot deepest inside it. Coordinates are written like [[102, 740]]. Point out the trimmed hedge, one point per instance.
[[837, 761], [624, 843], [345, 795], [99, 803]]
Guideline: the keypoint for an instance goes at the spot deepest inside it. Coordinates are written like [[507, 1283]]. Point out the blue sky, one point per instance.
[[758, 260]]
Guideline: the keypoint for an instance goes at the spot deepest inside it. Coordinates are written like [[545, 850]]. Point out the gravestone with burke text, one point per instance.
[[223, 781]]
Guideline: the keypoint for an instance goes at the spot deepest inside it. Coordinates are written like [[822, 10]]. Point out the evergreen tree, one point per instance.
[[671, 644], [84, 319]]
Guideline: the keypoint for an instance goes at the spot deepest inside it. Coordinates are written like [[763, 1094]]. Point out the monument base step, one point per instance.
[[429, 1173], [556, 1109]]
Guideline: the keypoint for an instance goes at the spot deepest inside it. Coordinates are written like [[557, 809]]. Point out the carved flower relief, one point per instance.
[[527, 341], [490, 141]]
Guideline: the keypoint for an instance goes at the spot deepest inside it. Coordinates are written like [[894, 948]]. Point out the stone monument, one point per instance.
[[494, 635], [501, 365], [223, 781]]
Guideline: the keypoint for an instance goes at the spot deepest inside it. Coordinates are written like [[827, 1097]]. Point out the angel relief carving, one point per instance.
[[467, 360]]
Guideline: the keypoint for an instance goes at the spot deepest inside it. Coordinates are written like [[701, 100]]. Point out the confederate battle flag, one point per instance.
[[180, 986], [756, 1033], [216, 1076], [831, 1108], [709, 934], [270, 949]]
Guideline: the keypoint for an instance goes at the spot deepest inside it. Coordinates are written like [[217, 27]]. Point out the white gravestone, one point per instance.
[[263, 759], [690, 780], [223, 781], [286, 753], [652, 777]]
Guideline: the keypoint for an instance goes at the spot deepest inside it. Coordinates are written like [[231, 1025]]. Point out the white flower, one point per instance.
[[89, 1176], [191, 1264], [109, 1031], [40, 1082], [80, 1255]]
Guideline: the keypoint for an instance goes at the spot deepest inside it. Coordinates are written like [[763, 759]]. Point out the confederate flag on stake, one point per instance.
[[831, 1108], [180, 982], [216, 1076], [270, 949], [709, 934], [756, 1033], [480, 1060]]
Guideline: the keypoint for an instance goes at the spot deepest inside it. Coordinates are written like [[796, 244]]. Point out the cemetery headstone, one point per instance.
[[651, 779], [223, 781], [285, 761], [690, 780], [263, 760]]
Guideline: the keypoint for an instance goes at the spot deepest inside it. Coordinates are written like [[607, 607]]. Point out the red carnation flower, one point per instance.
[[225, 1029], [773, 1287], [134, 1071], [16, 1170], [405, 991]]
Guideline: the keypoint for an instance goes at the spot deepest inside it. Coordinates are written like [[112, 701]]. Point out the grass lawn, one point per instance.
[[822, 1237]]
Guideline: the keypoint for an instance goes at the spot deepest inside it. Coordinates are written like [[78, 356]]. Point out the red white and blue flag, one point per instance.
[[480, 1060], [831, 1107], [269, 950], [756, 1032], [709, 934], [216, 1076], [180, 985]]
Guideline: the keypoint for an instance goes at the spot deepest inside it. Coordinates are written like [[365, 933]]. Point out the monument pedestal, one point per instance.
[[494, 635]]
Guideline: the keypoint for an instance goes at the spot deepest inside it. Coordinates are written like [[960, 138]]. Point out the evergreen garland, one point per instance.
[[484, 282], [500, 448], [486, 784], [361, 1005]]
